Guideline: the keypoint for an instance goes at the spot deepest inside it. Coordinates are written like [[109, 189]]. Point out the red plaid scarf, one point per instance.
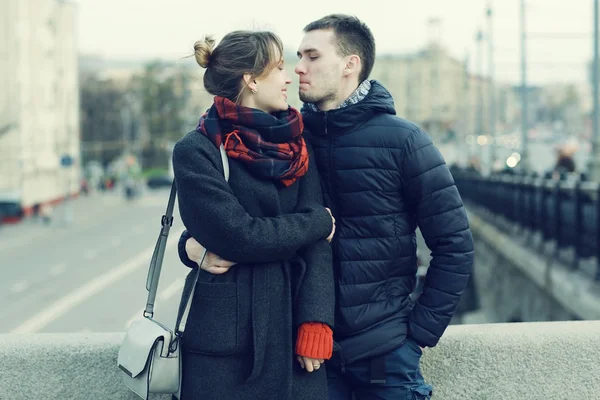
[[271, 146]]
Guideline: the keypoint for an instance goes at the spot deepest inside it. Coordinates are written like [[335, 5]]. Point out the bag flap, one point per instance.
[[141, 338]]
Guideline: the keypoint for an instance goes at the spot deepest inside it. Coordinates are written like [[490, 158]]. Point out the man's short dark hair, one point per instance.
[[353, 37]]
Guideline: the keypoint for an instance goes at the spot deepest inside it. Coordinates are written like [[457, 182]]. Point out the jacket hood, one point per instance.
[[378, 101]]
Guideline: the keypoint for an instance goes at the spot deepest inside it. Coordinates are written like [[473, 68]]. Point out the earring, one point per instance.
[[253, 91]]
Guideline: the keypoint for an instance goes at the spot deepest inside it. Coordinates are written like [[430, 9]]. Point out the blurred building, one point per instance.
[[39, 105], [435, 90]]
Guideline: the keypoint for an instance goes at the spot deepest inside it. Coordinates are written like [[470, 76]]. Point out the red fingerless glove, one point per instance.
[[315, 340]]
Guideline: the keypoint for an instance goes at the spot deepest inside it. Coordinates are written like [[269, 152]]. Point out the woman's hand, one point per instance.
[[212, 263], [330, 237], [310, 364]]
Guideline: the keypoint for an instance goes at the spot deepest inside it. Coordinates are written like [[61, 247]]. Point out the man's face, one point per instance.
[[320, 67]]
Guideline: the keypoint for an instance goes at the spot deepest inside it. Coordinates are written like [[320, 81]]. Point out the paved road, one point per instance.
[[87, 276]]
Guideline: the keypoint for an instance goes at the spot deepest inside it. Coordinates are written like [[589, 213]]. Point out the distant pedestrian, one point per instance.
[[565, 162], [46, 213]]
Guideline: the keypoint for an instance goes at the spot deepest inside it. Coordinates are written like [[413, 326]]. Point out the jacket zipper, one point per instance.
[[330, 177], [333, 197], [331, 169]]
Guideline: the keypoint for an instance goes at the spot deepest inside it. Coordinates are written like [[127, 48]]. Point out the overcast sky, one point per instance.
[[125, 29]]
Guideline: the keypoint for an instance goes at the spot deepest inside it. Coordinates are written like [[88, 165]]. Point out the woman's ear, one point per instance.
[[250, 83]]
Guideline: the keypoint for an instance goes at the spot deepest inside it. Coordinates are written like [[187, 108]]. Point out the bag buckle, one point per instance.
[[174, 344], [164, 221]]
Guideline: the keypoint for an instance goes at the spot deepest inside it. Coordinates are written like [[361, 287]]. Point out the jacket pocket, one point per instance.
[[212, 325]]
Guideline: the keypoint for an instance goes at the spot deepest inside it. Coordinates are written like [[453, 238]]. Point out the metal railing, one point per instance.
[[563, 212]]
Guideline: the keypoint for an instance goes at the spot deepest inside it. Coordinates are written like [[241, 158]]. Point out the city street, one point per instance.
[[88, 275]]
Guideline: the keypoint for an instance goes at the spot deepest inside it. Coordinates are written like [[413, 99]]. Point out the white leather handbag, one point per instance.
[[150, 353]]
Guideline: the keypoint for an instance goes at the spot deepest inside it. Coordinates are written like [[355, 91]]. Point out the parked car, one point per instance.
[[157, 182]]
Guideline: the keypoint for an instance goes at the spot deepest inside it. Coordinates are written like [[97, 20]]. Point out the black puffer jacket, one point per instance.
[[382, 177]]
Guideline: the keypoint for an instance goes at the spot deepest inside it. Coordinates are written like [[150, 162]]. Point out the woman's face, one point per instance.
[[271, 90]]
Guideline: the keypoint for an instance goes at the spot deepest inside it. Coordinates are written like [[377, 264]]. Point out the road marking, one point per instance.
[[18, 287], [139, 314], [164, 295], [171, 290], [91, 288]]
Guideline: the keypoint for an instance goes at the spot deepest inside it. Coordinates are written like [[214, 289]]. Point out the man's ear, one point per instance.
[[250, 82], [353, 65]]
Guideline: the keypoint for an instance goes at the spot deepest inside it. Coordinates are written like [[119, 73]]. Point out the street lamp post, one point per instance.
[[491, 88], [466, 110], [524, 110], [480, 81], [594, 161]]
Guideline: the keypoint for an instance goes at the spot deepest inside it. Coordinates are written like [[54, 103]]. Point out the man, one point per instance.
[[382, 177]]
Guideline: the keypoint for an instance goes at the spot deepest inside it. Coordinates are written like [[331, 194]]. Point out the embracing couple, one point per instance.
[[311, 250]]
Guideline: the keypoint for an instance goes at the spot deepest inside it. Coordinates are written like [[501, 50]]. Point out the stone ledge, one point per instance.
[[540, 360], [528, 361], [62, 366]]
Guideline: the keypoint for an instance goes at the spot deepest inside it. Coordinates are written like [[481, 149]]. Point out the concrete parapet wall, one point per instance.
[[61, 366], [543, 360], [515, 280], [528, 361]]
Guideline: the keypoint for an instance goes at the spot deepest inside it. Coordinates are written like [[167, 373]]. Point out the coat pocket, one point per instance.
[[212, 325]]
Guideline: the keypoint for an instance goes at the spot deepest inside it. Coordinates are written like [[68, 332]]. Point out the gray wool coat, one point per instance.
[[240, 335]]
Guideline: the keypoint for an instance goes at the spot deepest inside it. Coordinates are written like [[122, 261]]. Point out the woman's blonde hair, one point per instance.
[[203, 50], [238, 53]]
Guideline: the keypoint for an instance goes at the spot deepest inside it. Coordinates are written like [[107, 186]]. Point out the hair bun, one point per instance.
[[203, 50]]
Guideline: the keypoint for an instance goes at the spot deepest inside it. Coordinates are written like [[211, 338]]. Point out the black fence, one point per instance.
[[563, 212]]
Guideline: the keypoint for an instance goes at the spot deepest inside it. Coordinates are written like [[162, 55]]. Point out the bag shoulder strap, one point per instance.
[[159, 253], [225, 162]]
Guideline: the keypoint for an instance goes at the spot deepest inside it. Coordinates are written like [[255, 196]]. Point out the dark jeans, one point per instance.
[[403, 379]]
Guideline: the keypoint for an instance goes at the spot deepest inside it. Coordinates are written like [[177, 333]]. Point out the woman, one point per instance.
[[245, 325]]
